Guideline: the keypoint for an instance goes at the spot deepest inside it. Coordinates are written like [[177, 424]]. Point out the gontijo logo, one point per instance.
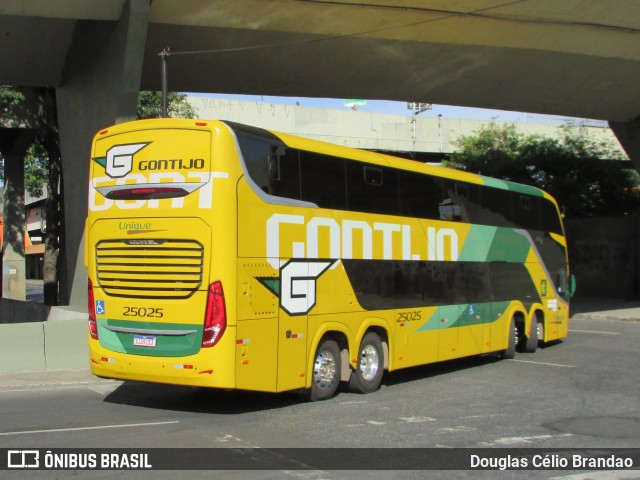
[[119, 159]]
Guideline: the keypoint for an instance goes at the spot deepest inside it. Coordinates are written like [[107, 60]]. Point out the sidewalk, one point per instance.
[[48, 379], [605, 309]]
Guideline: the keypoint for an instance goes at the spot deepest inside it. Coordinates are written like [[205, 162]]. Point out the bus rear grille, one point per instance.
[[149, 268]]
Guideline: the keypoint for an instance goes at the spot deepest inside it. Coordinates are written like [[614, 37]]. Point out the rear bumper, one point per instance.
[[210, 367]]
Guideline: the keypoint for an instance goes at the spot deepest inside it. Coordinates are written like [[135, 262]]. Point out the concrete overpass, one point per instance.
[[427, 137], [575, 57]]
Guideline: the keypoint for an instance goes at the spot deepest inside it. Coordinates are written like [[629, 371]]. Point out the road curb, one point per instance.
[[610, 318]]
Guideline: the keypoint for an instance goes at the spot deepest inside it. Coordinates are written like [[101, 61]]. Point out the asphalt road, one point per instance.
[[583, 392]]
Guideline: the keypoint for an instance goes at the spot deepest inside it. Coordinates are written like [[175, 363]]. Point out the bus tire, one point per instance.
[[326, 371], [367, 376], [540, 333], [531, 344], [510, 352]]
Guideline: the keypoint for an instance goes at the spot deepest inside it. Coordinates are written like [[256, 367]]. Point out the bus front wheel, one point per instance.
[[368, 374], [326, 371]]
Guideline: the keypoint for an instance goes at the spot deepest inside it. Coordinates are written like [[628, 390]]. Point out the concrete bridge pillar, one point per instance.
[[14, 143], [629, 136], [100, 85]]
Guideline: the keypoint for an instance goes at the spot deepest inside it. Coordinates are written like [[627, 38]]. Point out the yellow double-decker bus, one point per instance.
[[227, 256]]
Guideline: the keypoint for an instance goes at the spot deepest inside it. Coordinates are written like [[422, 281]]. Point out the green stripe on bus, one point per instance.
[[453, 316], [478, 243]]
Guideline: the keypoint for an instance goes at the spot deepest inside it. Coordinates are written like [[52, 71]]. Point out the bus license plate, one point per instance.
[[141, 341]]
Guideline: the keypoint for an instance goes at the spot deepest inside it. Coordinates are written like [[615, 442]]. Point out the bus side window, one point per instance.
[[372, 189], [496, 208], [525, 211], [287, 183], [549, 217], [420, 195], [256, 152], [461, 202], [273, 164], [322, 180]]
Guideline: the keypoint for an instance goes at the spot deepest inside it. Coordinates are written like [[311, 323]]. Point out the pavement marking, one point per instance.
[[99, 427], [594, 331], [417, 419], [228, 437], [375, 422], [522, 440], [606, 475], [543, 363], [461, 428], [484, 416]]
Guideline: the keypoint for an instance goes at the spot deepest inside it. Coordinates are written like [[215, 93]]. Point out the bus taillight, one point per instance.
[[93, 325], [130, 192], [215, 319]]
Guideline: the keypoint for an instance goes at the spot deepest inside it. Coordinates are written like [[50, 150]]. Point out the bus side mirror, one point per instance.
[[571, 291]]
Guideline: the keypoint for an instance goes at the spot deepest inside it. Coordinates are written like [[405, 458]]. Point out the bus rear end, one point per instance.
[[160, 252]]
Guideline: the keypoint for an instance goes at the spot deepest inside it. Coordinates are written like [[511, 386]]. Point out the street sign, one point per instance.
[[354, 102], [418, 107]]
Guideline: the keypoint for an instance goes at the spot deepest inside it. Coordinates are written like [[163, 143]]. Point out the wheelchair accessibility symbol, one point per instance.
[[100, 309]]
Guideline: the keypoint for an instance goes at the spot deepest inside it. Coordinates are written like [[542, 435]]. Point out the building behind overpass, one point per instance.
[[419, 136]]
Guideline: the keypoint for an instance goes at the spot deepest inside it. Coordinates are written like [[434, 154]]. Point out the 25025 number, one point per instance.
[[143, 312], [412, 316]]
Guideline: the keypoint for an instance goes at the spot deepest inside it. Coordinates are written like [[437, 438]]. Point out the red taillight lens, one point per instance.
[[93, 324], [146, 193], [215, 319]]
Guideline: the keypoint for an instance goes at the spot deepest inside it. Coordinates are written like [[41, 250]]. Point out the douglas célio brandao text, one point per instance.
[[549, 462]]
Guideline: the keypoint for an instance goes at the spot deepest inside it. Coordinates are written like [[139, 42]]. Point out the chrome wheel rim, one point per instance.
[[540, 331], [369, 362], [324, 370]]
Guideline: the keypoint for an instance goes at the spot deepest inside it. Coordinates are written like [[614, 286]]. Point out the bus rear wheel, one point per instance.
[[540, 333], [368, 374], [510, 352], [531, 344], [326, 371]]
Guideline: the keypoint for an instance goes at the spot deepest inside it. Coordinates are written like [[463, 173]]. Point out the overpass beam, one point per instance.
[[628, 135], [100, 86]]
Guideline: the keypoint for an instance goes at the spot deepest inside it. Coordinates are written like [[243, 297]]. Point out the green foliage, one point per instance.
[[11, 103], [36, 169], [150, 105], [495, 151], [587, 176]]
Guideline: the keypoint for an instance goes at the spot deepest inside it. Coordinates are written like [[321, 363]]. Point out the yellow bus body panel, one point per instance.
[[152, 260]]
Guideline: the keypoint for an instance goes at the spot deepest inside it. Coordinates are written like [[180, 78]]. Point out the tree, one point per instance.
[[11, 108], [36, 169], [586, 176], [150, 105]]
